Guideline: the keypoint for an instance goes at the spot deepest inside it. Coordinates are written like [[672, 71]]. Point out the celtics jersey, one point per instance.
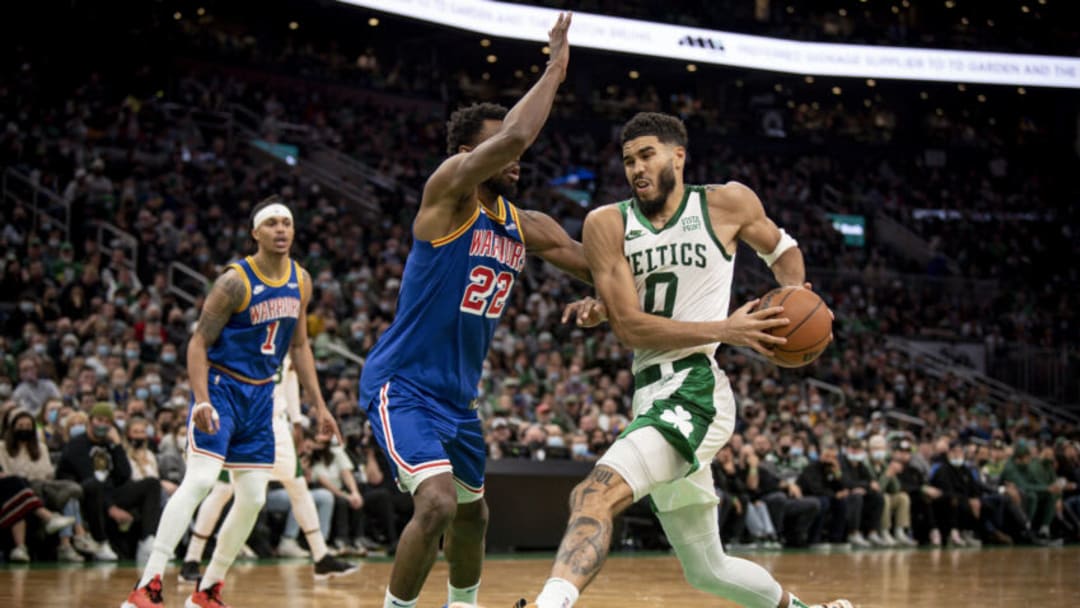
[[681, 271]]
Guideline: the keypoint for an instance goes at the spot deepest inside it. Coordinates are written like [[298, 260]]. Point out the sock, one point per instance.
[[557, 593], [795, 602], [195, 548], [393, 602], [466, 595]]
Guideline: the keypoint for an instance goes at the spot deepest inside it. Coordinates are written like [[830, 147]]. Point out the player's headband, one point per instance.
[[275, 210]]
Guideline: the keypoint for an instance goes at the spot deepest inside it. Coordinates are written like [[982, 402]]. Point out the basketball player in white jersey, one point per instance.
[[662, 263], [287, 471]]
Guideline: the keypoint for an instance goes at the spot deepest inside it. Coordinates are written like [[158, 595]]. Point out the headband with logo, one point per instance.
[[275, 210]]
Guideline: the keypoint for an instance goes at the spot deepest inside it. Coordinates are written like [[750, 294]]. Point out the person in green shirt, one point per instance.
[[1033, 477]]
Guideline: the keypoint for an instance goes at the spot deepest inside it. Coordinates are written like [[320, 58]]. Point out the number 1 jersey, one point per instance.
[[453, 293], [256, 338]]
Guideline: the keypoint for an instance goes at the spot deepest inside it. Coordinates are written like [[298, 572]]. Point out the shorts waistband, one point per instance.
[[238, 376], [651, 374]]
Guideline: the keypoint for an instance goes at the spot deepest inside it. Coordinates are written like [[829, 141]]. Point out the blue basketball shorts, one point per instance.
[[245, 438], [424, 437]]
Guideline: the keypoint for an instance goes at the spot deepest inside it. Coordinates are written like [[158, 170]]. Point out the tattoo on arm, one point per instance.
[[226, 295]]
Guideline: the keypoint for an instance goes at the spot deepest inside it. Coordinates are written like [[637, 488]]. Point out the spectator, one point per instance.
[[791, 514], [1034, 479], [860, 479], [332, 469], [913, 481], [1068, 469], [840, 509], [23, 454], [17, 501], [141, 458], [896, 513], [33, 391], [958, 508], [98, 462]]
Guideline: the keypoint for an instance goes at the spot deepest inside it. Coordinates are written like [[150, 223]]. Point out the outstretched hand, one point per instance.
[[746, 328], [589, 312], [558, 44]]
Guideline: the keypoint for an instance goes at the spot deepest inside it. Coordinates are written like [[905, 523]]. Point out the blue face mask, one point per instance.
[[168, 358], [155, 389], [77, 429], [52, 416], [956, 462], [580, 449], [131, 354], [142, 393], [795, 451], [555, 442]]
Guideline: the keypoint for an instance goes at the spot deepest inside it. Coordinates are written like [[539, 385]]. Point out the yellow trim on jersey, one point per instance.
[[238, 376], [299, 278], [269, 282], [501, 218], [517, 221], [247, 286], [460, 230]]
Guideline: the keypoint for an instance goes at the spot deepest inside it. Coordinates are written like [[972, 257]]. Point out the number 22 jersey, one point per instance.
[[453, 292]]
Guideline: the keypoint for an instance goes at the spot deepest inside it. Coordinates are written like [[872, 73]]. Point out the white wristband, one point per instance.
[[201, 405], [786, 242]]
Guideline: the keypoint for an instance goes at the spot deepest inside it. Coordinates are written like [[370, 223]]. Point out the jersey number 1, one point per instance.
[[268, 347], [483, 283]]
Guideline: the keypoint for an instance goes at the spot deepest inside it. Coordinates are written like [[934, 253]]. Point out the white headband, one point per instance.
[[275, 210]]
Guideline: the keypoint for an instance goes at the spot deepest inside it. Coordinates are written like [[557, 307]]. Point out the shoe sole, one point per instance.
[[329, 575]]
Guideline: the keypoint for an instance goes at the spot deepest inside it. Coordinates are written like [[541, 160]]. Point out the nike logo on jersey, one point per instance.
[[258, 289], [293, 285], [633, 234]]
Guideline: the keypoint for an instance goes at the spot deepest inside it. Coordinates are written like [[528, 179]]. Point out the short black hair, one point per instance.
[[667, 128], [263, 204], [466, 123]]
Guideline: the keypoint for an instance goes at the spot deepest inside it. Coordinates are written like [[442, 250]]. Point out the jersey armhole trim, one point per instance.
[[517, 222], [462, 229], [247, 287], [704, 201]]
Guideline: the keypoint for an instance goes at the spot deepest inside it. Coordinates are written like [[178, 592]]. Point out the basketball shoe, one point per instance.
[[206, 598], [147, 596]]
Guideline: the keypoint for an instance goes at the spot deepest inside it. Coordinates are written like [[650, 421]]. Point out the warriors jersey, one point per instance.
[[681, 271], [453, 292], [254, 342]]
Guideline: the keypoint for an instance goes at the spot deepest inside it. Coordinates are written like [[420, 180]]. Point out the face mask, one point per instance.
[[879, 454], [40, 349], [579, 449], [76, 430], [52, 416], [103, 350], [857, 457], [26, 307], [24, 435], [120, 302], [121, 423], [956, 462], [168, 358], [155, 389], [69, 352], [142, 393], [796, 451], [101, 431], [556, 442], [358, 336], [149, 432], [5, 390], [138, 444], [131, 354]]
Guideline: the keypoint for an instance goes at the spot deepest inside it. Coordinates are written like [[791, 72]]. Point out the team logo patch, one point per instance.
[[690, 224], [680, 419]]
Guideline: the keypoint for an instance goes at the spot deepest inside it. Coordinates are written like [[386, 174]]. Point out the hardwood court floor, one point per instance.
[[1028, 578]]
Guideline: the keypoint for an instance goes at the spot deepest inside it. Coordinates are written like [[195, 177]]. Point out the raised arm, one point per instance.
[[547, 239], [603, 241], [226, 297], [460, 174], [778, 250]]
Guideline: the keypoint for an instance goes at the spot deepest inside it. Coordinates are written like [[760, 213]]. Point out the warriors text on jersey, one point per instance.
[[254, 342], [452, 294], [681, 271]]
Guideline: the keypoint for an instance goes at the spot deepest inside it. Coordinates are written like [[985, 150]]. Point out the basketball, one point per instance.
[[809, 330]]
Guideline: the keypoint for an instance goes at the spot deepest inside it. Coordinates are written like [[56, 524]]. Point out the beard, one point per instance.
[[500, 185], [652, 206]]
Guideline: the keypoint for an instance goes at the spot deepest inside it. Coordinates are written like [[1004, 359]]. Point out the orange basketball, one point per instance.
[[809, 330]]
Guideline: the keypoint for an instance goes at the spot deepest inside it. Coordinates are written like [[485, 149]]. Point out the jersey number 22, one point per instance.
[[483, 283]]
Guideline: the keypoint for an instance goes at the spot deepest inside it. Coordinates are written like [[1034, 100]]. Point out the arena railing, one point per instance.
[[46, 207], [110, 237]]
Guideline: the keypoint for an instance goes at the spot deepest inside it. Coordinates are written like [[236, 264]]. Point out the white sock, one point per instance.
[[307, 516], [392, 602], [557, 593], [209, 512], [466, 595]]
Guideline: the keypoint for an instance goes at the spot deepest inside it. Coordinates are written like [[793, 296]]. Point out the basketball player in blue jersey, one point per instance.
[[420, 379], [253, 315]]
